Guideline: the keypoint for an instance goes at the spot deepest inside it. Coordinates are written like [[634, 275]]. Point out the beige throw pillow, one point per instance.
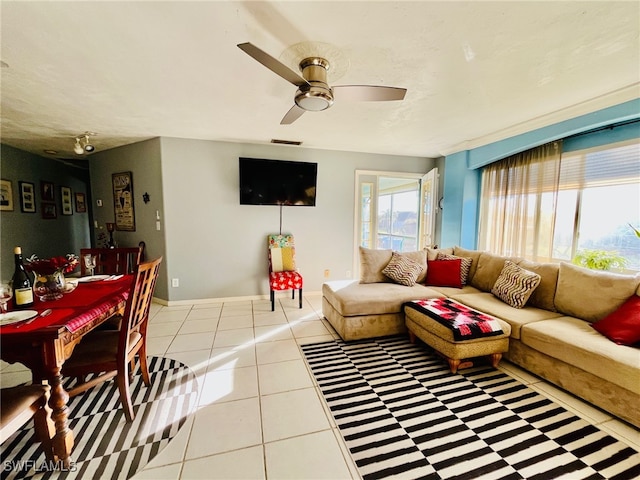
[[401, 269], [515, 285]]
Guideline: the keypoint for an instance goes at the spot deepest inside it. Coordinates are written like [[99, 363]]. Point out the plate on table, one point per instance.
[[93, 278], [15, 317]]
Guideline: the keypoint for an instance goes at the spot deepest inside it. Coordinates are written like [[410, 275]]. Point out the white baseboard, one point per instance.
[[203, 301]]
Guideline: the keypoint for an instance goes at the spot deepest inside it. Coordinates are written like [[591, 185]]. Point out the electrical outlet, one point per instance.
[[327, 272], [175, 282], [348, 274]]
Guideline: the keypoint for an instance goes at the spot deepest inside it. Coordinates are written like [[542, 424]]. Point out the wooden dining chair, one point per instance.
[[108, 354], [111, 261], [20, 404]]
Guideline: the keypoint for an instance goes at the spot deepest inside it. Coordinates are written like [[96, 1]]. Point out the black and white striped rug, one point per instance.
[[105, 445], [404, 415]]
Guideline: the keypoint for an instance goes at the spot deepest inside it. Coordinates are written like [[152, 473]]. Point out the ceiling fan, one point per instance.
[[314, 94]]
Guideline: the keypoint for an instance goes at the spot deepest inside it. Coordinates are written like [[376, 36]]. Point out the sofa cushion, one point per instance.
[[592, 295], [544, 294], [432, 253], [515, 285], [372, 262], [474, 255], [350, 298], [488, 270], [575, 342], [517, 317], [401, 269], [623, 325], [444, 273], [465, 265]]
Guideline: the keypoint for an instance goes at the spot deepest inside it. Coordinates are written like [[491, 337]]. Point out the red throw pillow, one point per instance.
[[623, 325], [444, 273]]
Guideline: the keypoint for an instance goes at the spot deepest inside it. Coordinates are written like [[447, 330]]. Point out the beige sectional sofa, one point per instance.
[[552, 336]]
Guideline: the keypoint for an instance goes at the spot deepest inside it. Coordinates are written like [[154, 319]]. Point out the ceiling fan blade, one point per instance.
[[368, 93], [272, 64], [292, 115]]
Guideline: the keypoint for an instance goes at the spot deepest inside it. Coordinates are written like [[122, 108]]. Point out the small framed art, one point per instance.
[[81, 203], [67, 205], [27, 197], [46, 190], [49, 211], [6, 196]]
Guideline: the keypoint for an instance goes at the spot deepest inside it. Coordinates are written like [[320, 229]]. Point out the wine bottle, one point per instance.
[[21, 283]]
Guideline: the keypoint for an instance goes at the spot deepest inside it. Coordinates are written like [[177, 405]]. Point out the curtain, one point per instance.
[[518, 203]]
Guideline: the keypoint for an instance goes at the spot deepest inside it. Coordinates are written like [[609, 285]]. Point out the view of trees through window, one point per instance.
[[398, 219]]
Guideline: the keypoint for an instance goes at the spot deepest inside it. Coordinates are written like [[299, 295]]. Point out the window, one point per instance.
[[588, 200]]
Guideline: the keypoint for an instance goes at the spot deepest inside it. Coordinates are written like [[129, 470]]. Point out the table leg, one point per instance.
[[62, 442]]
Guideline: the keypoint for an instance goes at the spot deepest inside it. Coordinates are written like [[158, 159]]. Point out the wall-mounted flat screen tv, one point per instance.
[[277, 182]]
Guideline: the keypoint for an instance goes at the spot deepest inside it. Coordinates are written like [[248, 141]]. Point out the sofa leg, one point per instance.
[[495, 359], [412, 337]]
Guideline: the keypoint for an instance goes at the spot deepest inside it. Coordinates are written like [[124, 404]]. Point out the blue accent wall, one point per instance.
[[462, 170]]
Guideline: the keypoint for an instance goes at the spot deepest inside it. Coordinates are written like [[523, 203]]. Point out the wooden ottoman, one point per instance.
[[427, 320]]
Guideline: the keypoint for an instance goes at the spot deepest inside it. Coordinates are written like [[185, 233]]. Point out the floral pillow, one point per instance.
[[402, 270], [515, 285], [465, 265]]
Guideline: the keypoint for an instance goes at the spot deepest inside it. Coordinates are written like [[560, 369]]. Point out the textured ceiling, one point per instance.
[[475, 71]]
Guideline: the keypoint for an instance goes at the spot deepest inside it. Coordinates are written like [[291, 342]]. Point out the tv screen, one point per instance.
[[277, 182]]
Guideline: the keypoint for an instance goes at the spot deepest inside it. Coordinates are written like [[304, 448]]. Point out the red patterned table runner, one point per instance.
[[75, 309], [465, 323]]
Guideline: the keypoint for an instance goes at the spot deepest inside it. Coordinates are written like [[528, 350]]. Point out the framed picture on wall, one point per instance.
[[123, 201], [46, 190], [67, 205], [6, 196], [27, 197], [49, 211], [81, 203]]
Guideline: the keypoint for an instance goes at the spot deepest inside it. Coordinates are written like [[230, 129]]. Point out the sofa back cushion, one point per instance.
[[432, 253], [474, 255], [489, 268], [373, 261], [590, 294], [544, 295]]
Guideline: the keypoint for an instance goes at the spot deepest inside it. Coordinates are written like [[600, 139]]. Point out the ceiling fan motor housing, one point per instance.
[[317, 96]]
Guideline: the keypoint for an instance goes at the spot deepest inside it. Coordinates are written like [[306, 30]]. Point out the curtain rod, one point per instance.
[[607, 127]]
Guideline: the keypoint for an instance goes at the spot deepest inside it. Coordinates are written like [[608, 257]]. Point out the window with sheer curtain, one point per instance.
[[546, 206]]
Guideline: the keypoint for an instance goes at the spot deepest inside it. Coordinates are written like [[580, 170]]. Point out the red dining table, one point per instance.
[[44, 344]]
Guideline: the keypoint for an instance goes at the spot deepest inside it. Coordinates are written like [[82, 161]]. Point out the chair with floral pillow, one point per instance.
[[283, 274]]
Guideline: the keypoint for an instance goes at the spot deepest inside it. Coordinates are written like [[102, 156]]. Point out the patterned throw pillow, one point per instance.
[[402, 270], [465, 265], [515, 285]]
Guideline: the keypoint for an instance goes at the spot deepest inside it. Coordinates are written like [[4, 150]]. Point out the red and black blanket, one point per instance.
[[465, 323]]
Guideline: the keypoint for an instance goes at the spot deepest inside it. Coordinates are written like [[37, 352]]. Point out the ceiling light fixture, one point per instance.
[[78, 148], [82, 144]]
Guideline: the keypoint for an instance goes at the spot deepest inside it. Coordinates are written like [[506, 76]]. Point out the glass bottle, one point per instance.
[[21, 283]]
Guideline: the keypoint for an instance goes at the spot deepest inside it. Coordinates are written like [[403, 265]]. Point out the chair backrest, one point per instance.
[[112, 261], [136, 314], [282, 253]]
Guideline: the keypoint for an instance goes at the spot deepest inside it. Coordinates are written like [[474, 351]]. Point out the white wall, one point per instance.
[[217, 248]]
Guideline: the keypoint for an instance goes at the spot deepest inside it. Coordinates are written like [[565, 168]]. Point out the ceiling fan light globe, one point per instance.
[[314, 100], [89, 148]]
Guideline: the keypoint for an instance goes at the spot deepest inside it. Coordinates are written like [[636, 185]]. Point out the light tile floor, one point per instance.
[[260, 414]]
